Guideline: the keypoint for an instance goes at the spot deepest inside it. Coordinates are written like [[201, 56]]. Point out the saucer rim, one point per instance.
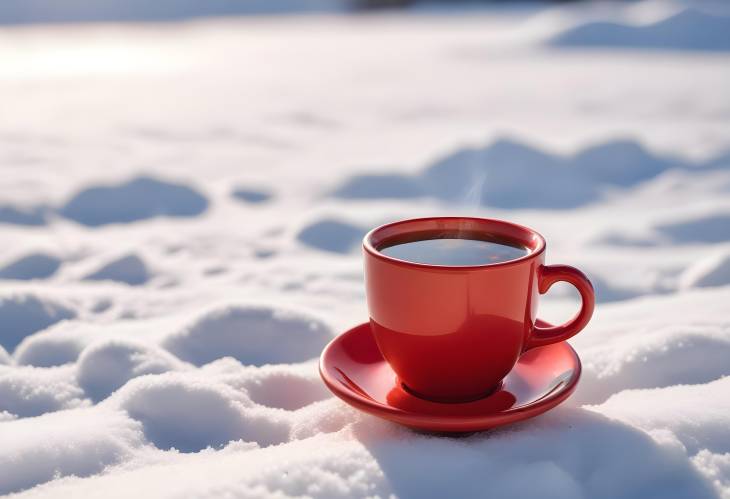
[[445, 423]]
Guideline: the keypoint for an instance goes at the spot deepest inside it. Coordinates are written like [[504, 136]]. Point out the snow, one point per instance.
[[26, 313], [4, 357], [332, 235], [252, 196], [129, 269], [284, 389], [688, 29], [108, 204], [22, 215], [107, 365], [79, 442], [637, 344], [701, 425], [493, 175], [709, 272], [712, 228], [32, 266], [169, 408], [247, 333], [31, 391], [55, 345], [182, 204], [33, 11]]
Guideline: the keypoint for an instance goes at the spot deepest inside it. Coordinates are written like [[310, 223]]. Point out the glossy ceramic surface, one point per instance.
[[451, 333], [354, 370]]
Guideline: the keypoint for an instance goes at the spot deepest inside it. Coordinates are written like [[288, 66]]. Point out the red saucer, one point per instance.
[[354, 370]]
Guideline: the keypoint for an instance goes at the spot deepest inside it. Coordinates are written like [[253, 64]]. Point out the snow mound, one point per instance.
[[107, 365], [607, 292], [717, 468], [33, 266], [331, 235], [280, 388], [386, 186], [695, 414], [31, 391], [658, 356], [81, 443], [494, 176], [190, 415], [719, 162], [4, 357], [129, 269], [613, 238], [552, 450], [711, 228], [56, 345], [621, 162], [326, 416], [45, 11], [47, 350], [571, 453], [34, 215], [138, 199], [23, 314], [251, 196], [252, 334], [712, 271], [689, 29]]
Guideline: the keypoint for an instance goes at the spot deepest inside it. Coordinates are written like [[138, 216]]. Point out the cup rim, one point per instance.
[[369, 247]]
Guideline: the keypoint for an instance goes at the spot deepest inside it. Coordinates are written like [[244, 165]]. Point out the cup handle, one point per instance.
[[547, 276]]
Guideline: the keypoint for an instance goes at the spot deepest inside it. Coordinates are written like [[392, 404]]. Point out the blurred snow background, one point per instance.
[[182, 204]]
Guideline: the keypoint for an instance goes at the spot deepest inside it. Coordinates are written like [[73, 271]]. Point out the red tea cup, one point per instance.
[[452, 333]]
